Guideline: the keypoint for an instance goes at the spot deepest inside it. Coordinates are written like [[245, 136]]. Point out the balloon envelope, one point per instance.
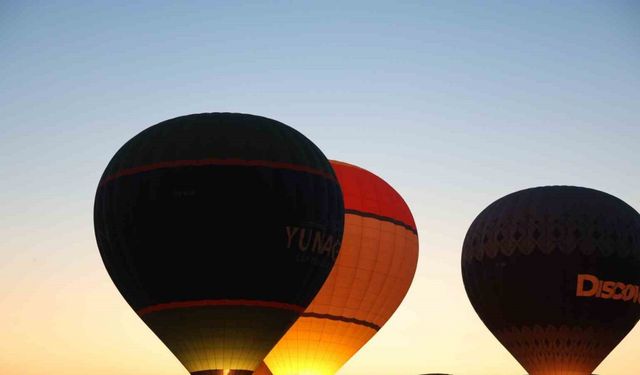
[[371, 276], [219, 229], [554, 273]]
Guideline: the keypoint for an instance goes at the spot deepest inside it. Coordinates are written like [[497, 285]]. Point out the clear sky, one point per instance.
[[454, 103]]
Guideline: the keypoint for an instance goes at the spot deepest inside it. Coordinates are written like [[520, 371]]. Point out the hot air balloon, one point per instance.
[[554, 273], [219, 229], [371, 276]]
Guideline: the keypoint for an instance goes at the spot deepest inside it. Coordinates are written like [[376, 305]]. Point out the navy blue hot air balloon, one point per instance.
[[554, 273], [199, 222]]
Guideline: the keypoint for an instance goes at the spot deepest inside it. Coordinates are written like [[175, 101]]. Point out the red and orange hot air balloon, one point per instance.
[[371, 276]]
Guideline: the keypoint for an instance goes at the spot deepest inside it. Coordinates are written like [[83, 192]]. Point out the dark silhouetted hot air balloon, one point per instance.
[[371, 276], [554, 273], [219, 229]]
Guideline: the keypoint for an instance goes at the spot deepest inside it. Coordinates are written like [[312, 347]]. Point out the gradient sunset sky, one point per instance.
[[455, 104]]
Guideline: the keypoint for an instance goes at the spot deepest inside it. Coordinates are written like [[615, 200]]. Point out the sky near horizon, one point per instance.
[[454, 104]]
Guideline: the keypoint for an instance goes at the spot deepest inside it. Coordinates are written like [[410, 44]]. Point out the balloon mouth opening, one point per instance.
[[223, 372]]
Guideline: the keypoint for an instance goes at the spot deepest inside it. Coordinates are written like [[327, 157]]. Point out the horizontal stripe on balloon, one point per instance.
[[217, 162], [382, 218], [220, 302], [341, 319]]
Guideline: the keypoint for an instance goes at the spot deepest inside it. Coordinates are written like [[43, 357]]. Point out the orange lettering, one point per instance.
[[607, 289], [581, 291], [629, 292], [621, 287], [590, 286]]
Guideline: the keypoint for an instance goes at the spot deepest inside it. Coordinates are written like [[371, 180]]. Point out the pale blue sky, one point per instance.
[[455, 104]]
